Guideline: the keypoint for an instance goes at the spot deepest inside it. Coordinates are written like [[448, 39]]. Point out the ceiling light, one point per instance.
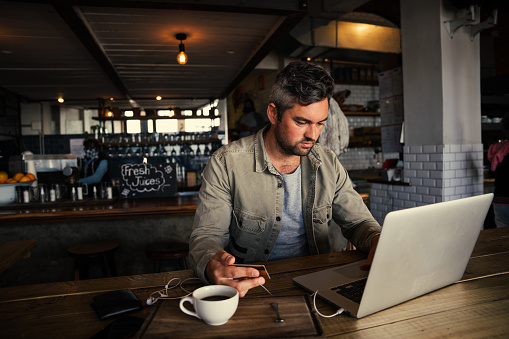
[[158, 98], [182, 56], [60, 100]]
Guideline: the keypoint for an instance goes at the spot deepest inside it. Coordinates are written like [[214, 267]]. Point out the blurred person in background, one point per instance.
[[95, 164], [498, 155], [250, 121]]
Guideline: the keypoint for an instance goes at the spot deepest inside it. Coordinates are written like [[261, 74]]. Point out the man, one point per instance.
[[271, 195], [95, 165]]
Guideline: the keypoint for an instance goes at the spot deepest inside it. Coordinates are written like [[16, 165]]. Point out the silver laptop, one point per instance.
[[420, 250]]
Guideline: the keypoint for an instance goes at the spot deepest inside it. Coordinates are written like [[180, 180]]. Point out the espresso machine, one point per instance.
[[53, 170], [71, 174]]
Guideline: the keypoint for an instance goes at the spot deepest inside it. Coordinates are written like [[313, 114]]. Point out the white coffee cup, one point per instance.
[[214, 304]]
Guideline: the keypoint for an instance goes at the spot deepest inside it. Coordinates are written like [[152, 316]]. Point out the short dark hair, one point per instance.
[[302, 83], [90, 142]]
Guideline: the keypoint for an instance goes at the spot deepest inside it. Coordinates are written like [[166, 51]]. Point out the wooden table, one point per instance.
[[12, 251], [477, 306]]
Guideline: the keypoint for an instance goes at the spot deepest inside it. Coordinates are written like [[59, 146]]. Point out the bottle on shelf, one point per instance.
[[109, 190], [73, 193], [42, 194], [53, 193], [26, 195], [79, 192]]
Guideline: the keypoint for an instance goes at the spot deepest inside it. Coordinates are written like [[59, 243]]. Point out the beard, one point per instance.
[[287, 148]]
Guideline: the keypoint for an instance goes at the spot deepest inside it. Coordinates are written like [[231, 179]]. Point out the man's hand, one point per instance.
[[371, 255], [221, 272]]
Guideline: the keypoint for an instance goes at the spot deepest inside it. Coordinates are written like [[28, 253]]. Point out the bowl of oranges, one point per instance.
[[8, 185]]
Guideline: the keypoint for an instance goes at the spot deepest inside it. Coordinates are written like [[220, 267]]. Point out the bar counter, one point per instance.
[[102, 209], [134, 223]]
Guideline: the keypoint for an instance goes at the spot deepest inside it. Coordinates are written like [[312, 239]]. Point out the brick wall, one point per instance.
[[437, 173]]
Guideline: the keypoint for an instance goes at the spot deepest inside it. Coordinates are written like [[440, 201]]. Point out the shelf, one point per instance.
[[491, 126], [155, 118], [495, 100], [396, 183], [164, 142], [361, 113], [368, 144], [14, 136], [356, 82]]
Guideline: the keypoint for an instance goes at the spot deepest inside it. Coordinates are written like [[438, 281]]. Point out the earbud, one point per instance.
[[163, 294]]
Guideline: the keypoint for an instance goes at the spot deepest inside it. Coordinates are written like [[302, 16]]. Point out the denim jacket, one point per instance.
[[241, 203]]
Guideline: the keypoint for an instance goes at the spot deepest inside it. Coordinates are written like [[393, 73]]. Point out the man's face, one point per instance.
[[300, 127]]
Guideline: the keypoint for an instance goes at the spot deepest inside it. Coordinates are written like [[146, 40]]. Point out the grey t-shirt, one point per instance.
[[292, 241]]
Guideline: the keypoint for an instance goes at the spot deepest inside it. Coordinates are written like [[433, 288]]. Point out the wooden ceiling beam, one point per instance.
[[76, 23]]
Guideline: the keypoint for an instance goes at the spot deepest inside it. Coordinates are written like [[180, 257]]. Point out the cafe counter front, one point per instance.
[[133, 223]]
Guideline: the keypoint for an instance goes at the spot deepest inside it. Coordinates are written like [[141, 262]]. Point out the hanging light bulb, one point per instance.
[[60, 100], [182, 56]]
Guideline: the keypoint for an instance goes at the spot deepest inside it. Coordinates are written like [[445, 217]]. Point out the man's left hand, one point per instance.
[[371, 255]]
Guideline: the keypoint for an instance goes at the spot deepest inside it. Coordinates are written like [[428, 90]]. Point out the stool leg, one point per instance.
[[157, 266], [111, 265], [83, 272], [182, 263], [80, 269], [104, 266], [76, 273]]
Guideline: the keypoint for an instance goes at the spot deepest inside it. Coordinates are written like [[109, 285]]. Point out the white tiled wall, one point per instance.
[[363, 121], [437, 173], [360, 94], [359, 158]]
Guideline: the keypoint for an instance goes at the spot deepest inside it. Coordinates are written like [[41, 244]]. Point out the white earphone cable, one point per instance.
[[163, 294], [338, 312]]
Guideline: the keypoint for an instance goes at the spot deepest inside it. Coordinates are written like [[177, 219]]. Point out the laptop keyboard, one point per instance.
[[352, 290]]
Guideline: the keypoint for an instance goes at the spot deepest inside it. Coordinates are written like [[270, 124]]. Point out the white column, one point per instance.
[[441, 88]]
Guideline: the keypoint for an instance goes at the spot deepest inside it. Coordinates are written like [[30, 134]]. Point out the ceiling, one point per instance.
[[90, 51], [126, 50]]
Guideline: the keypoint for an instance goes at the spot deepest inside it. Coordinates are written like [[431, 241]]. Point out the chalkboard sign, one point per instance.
[[147, 180]]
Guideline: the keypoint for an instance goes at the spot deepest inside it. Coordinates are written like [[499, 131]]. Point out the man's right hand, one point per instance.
[[221, 272]]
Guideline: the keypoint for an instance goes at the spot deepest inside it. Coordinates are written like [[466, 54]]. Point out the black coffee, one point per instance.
[[216, 298]]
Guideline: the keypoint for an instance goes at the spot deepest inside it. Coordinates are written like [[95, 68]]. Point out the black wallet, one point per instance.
[[115, 303]]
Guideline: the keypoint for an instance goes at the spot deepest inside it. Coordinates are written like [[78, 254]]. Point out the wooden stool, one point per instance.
[[168, 251], [86, 254]]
